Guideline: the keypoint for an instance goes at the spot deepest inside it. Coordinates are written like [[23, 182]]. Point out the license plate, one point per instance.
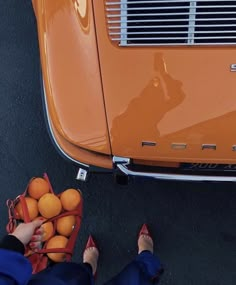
[[208, 167]]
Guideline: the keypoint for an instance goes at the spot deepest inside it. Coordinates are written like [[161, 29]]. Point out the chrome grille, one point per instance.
[[173, 22]]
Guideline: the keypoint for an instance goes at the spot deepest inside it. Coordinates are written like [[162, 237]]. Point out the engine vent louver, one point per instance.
[[175, 22]]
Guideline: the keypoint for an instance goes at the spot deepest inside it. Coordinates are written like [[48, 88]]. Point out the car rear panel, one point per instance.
[[170, 99]]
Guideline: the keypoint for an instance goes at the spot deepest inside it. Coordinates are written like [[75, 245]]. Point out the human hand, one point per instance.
[[30, 232]]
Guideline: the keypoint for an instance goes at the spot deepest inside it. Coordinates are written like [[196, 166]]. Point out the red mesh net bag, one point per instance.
[[60, 228]]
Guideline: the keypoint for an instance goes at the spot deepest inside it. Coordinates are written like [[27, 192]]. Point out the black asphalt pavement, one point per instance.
[[193, 224]]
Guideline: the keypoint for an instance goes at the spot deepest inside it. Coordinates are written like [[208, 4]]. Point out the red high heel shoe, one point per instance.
[[145, 231], [91, 243]]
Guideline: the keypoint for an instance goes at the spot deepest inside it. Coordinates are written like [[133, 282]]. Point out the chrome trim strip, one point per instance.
[[183, 44], [165, 20], [176, 38], [192, 13], [173, 26], [120, 159], [52, 135], [166, 7], [122, 163], [169, 33], [192, 20], [158, 1], [123, 26]]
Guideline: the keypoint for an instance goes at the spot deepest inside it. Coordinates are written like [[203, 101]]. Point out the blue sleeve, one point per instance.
[[14, 268]]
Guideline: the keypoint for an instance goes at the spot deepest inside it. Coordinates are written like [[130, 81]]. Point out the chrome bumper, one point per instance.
[[122, 164]]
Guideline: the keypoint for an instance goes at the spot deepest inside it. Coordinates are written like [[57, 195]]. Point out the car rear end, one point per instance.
[[171, 98], [146, 87]]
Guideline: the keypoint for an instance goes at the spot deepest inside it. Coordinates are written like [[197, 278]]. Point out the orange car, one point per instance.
[[142, 87]]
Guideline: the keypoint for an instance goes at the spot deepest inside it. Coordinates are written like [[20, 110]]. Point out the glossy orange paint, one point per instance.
[[168, 95], [108, 99], [82, 155], [71, 75]]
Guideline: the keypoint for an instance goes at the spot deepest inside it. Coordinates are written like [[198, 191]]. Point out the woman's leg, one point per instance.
[[74, 273], [145, 269], [68, 273]]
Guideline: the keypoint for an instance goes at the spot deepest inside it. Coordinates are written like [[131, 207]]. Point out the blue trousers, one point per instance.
[[65, 273], [143, 270]]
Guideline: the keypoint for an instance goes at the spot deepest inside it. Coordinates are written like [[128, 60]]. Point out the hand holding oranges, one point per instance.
[[54, 211]]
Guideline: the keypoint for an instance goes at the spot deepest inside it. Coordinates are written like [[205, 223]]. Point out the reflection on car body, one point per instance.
[[159, 96]]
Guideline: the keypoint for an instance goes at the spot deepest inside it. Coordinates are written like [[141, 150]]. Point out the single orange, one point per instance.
[[70, 199], [57, 242], [40, 218], [32, 206], [65, 225], [49, 205], [48, 229], [38, 187]]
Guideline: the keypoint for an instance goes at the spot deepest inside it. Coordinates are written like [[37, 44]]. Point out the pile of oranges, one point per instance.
[[43, 204]]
